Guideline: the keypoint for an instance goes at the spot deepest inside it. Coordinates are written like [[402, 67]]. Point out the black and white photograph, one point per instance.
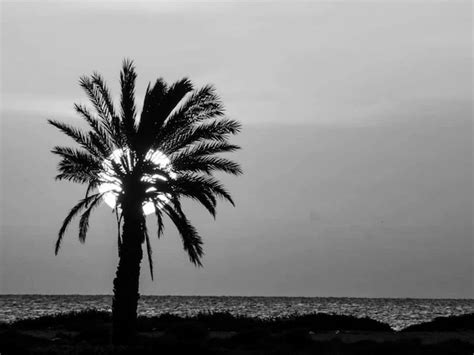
[[236, 177]]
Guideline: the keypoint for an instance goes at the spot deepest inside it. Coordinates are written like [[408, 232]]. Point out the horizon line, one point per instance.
[[239, 296]]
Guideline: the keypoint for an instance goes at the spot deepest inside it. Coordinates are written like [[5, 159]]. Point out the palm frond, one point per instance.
[[159, 102], [100, 98], [174, 95], [217, 130], [202, 105], [96, 98], [159, 219], [84, 221], [78, 177], [150, 118], [207, 164], [190, 184], [198, 192], [203, 149], [148, 250], [84, 159], [77, 135], [205, 198], [192, 242], [92, 185], [76, 165], [105, 98], [102, 135], [74, 211], [127, 102]]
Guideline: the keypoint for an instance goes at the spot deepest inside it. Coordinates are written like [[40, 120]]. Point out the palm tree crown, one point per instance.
[[170, 151]]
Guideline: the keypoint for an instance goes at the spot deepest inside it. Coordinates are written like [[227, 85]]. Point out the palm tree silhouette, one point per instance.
[[146, 165]]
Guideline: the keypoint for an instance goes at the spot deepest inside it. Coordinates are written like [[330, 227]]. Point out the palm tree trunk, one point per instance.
[[124, 304]]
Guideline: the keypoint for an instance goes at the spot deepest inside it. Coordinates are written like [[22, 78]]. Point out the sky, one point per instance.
[[356, 144]]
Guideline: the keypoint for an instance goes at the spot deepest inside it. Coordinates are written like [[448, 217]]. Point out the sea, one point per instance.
[[397, 312]]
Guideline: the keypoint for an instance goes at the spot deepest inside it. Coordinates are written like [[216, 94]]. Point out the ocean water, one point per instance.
[[398, 313]]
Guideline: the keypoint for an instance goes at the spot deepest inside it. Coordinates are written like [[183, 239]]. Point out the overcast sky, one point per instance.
[[357, 144]]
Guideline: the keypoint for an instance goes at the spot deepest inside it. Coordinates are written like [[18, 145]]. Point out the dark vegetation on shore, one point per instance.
[[453, 323], [88, 332]]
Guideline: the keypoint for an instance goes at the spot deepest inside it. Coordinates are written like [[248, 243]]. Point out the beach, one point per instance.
[[222, 333]]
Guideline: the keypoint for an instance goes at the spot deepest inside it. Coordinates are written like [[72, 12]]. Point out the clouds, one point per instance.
[[271, 62]]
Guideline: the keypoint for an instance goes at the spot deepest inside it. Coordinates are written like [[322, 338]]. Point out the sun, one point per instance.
[[111, 186]]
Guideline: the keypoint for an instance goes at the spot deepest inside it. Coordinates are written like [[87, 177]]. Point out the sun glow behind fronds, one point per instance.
[[111, 186]]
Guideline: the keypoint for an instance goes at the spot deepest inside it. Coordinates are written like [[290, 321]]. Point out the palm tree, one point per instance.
[[146, 164]]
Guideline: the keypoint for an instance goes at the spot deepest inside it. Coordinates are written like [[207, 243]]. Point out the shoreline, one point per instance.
[[223, 333], [399, 313], [241, 296]]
